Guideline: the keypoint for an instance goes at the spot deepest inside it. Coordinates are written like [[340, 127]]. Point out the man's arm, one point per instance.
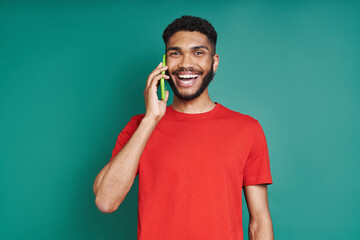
[[115, 180], [260, 224]]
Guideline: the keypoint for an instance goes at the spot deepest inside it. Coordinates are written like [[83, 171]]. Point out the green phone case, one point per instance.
[[162, 81]]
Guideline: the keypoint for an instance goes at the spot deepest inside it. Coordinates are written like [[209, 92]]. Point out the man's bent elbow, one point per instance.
[[106, 206]]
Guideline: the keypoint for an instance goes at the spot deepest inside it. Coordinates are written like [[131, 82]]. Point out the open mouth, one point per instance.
[[187, 80]]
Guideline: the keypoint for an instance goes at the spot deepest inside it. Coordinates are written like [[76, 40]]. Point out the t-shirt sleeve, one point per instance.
[[125, 135], [257, 166]]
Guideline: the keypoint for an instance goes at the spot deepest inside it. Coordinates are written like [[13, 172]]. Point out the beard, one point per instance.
[[205, 83]]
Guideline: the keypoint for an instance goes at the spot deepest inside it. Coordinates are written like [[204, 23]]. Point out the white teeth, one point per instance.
[[188, 76]]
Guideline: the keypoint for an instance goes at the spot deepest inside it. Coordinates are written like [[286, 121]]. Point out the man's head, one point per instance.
[[191, 56], [191, 24]]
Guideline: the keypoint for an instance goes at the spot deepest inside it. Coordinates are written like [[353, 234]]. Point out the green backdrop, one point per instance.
[[72, 73]]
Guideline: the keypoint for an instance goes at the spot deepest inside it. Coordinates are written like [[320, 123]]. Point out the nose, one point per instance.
[[186, 61]]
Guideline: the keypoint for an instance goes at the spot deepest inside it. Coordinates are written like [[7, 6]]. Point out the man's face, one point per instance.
[[190, 64]]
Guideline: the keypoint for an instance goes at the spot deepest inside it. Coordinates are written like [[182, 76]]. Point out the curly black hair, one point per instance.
[[191, 23]]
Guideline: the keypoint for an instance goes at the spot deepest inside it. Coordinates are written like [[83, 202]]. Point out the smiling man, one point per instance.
[[193, 157]]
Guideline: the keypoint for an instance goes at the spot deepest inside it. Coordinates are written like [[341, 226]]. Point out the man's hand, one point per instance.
[[155, 108]]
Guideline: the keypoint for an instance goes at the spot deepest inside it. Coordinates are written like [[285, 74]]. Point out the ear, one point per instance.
[[216, 62]]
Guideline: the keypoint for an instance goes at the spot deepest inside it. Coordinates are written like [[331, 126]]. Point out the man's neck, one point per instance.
[[200, 104]]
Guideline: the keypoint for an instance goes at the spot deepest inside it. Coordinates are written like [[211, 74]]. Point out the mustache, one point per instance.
[[191, 69]]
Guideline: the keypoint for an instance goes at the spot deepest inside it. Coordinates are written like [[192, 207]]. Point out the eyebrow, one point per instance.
[[192, 48]]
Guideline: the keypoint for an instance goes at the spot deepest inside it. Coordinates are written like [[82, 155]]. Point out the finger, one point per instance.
[[158, 66], [154, 73], [155, 81], [150, 75], [156, 78], [157, 71], [166, 96]]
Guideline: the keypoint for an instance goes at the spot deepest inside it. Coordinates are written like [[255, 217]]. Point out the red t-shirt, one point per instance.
[[192, 171]]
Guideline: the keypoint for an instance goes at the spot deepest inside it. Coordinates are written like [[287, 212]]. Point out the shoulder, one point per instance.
[[247, 124], [240, 118]]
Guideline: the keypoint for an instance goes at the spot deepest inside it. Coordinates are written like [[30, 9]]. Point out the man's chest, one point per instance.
[[195, 151]]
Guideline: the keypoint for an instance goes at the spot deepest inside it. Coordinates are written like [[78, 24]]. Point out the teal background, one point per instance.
[[72, 73]]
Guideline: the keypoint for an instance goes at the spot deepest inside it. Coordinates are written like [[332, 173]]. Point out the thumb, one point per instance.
[[166, 96]]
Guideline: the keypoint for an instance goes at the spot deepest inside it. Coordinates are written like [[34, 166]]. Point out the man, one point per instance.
[[193, 157]]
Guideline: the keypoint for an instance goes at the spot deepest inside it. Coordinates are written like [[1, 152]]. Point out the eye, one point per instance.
[[199, 53], [174, 53]]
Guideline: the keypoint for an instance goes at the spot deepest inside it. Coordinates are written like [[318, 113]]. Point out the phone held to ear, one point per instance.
[[162, 81]]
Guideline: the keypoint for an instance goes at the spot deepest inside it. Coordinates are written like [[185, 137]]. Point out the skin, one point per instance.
[[260, 223], [116, 178]]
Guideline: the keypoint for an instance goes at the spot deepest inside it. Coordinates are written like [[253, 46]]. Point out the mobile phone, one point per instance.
[[162, 81]]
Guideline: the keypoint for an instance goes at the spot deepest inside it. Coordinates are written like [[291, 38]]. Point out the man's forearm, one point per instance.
[[261, 229], [115, 180]]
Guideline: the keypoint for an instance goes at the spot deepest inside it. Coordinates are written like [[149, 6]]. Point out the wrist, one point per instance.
[[151, 120]]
